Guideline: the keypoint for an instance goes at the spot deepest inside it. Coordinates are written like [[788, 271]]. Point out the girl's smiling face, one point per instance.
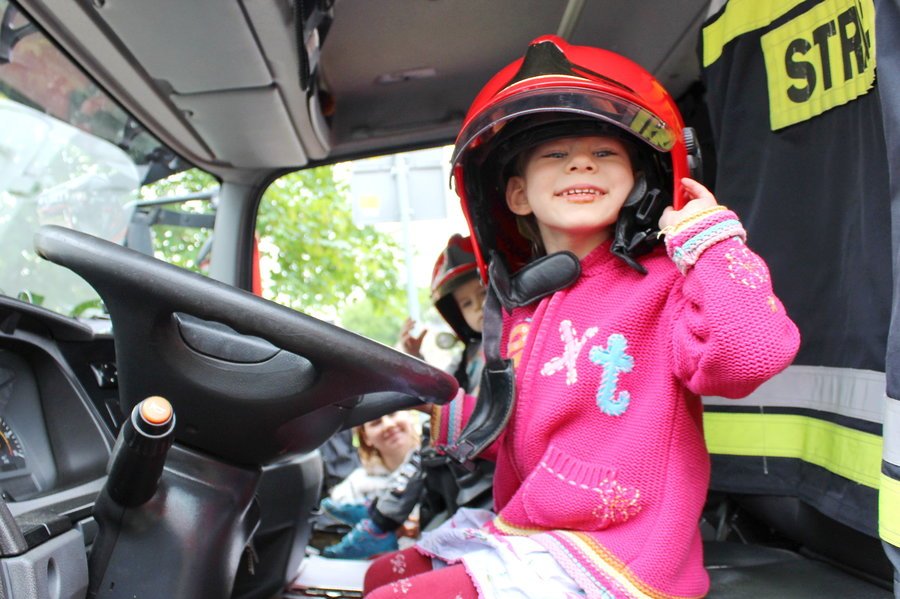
[[575, 187]]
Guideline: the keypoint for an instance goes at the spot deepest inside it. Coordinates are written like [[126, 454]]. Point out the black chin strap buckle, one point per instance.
[[637, 226], [464, 453], [535, 281]]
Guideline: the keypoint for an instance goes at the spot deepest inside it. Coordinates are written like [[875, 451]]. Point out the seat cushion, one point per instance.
[[739, 571]]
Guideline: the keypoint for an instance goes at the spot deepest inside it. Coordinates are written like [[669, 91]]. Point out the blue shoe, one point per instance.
[[348, 513], [365, 540]]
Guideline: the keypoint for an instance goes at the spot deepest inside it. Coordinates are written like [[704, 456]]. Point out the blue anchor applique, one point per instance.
[[614, 361]]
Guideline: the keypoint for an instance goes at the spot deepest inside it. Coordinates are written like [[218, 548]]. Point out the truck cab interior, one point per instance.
[[99, 98]]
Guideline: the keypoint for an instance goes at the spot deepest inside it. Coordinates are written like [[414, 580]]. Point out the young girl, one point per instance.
[[388, 450], [602, 469]]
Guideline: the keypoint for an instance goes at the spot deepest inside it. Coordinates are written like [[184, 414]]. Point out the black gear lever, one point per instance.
[[135, 468], [140, 452]]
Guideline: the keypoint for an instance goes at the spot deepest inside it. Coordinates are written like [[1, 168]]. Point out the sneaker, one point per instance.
[[365, 540], [348, 513]]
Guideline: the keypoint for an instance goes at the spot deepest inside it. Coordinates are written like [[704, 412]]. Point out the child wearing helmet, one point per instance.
[[566, 167], [458, 295]]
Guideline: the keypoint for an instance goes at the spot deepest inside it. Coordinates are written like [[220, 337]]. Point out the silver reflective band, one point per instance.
[[845, 391], [892, 431]]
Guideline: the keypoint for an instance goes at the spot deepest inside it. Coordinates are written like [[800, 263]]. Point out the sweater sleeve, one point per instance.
[[358, 487], [730, 332], [449, 420]]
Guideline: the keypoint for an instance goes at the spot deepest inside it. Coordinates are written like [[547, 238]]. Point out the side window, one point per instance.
[[314, 258], [173, 219], [332, 243]]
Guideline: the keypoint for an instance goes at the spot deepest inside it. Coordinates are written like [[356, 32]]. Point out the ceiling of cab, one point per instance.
[[220, 80], [450, 48]]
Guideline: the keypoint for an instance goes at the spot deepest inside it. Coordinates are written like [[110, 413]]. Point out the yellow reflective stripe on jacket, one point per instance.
[[853, 454], [740, 17], [889, 491], [819, 60], [889, 510]]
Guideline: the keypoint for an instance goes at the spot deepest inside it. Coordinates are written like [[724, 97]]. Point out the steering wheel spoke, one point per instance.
[[250, 380]]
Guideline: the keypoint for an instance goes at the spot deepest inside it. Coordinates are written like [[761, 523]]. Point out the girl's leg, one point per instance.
[[451, 582], [394, 566]]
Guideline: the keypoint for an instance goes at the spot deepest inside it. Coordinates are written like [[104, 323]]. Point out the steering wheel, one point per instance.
[[249, 380]]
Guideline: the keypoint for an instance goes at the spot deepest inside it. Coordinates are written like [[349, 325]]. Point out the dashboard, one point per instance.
[[55, 429], [19, 403], [59, 416]]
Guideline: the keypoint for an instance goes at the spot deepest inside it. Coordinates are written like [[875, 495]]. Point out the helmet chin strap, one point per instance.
[[497, 394], [534, 281], [637, 224]]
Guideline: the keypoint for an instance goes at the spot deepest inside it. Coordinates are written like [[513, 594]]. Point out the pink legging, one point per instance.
[[408, 574]]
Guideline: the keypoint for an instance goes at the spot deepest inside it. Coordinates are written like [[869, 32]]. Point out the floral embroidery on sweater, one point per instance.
[[614, 360], [617, 503], [570, 353], [745, 267]]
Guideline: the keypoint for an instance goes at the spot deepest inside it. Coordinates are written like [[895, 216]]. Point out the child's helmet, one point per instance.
[[455, 266], [558, 90]]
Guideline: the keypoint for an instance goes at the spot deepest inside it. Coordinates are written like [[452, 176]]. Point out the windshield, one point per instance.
[[68, 156]]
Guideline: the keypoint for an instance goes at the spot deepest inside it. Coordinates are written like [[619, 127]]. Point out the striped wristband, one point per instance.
[[686, 247]]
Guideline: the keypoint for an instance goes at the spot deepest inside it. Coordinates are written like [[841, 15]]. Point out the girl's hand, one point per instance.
[[410, 343], [698, 199]]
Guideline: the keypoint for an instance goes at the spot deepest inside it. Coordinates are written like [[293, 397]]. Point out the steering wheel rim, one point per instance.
[[249, 410]]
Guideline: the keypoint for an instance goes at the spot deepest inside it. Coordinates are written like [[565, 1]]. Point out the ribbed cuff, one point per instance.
[[686, 247]]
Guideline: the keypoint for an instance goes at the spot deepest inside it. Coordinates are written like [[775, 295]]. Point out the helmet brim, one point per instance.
[[631, 118]]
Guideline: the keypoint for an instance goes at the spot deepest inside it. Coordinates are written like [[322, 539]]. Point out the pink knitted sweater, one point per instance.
[[603, 461]]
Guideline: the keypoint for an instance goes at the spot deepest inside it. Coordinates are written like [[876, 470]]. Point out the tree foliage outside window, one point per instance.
[[313, 257], [186, 247], [316, 259]]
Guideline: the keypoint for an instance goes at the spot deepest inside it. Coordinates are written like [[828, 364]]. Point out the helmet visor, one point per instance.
[[630, 117]]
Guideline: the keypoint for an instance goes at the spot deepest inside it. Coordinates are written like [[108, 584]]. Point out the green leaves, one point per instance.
[[314, 258], [183, 246]]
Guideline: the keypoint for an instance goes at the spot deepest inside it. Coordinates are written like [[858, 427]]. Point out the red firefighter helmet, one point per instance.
[[557, 90], [455, 266]]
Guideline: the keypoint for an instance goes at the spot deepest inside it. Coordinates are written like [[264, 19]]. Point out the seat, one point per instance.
[[740, 571]]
